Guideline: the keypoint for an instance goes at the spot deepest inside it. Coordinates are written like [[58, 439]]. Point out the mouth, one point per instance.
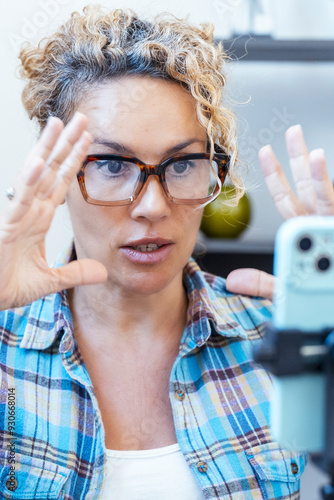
[[147, 244], [147, 250]]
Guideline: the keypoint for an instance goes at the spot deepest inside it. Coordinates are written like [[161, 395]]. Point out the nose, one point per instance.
[[152, 203]]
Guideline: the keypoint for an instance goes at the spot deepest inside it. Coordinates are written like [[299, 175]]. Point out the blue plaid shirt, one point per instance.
[[51, 433]]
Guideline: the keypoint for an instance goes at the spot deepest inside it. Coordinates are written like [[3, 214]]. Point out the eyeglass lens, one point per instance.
[[116, 180]]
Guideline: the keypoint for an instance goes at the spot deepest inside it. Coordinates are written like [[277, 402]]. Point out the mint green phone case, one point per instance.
[[303, 300], [304, 295]]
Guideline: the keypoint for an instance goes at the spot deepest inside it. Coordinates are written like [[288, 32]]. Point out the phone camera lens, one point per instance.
[[305, 243], [323, 264]]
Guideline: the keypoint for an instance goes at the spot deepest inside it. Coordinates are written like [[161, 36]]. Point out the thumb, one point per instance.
[[79, 272], [251, 282]]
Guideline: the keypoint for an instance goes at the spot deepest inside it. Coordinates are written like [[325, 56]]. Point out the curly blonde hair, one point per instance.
[[97, 45]]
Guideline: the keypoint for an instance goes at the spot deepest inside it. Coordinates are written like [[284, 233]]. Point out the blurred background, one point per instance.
[[281, 74]]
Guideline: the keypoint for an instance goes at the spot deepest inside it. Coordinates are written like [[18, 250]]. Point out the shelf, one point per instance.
[[220, 257], [219, 245], [264, 48]]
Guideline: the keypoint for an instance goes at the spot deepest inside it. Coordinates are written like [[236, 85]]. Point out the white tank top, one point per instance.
[[160, 473]]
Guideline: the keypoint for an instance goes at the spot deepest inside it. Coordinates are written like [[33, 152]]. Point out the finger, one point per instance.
[[284, 198], [25, 187], [300, 169], [322, 183], [70, 168], [70, 135], [68, 138], [251, 282], [46, 142], [77, 273]]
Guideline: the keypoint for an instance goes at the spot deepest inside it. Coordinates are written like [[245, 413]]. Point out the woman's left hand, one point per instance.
[[314, 195]]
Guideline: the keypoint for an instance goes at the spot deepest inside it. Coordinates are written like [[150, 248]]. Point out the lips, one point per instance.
[[147, 250], [148, 241]]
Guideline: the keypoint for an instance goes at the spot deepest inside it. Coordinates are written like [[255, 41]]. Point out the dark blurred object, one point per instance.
[[287, 353], [220, 257], [265, 48]]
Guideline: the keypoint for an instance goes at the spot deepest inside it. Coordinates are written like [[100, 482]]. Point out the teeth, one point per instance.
[[147, 248]]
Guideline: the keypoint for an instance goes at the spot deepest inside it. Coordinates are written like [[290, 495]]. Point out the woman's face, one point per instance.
[[152, 120]]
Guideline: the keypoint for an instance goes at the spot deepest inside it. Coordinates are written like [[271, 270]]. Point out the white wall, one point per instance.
[[282, 94], [300, 92]]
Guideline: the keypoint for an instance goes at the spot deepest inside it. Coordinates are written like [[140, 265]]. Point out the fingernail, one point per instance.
[[77, 116], [265, 150], [294, 128], [318, 152], [50, 120]]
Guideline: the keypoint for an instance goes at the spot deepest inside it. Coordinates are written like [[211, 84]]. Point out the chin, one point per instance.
[[148, 282]]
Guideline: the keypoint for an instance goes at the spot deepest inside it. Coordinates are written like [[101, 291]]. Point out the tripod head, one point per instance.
[[303, 408]]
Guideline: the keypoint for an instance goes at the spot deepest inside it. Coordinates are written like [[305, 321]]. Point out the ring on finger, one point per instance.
[[10, 193]]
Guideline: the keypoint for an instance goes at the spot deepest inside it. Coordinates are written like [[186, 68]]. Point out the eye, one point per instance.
[[113, 166], [180, 167], [111, 170]]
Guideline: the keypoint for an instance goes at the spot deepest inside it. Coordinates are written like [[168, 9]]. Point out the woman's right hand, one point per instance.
[[40, 187]]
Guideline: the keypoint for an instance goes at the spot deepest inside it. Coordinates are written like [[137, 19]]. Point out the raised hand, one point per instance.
[[314, 195], [39, 188]]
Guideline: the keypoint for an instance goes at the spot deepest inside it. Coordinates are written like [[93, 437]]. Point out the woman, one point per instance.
[[126, 371]]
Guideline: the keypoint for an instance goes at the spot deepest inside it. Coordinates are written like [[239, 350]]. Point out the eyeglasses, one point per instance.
[[112, 180]]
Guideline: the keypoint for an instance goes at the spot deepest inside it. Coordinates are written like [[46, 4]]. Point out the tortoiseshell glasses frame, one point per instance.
[[222, 161]]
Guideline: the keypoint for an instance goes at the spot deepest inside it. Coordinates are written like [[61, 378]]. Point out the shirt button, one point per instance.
[[180, 395], [294, 468], [202, 466], [11, 484]]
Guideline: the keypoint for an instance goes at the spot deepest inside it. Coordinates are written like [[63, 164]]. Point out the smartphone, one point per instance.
[[304, 266], [304, 301]]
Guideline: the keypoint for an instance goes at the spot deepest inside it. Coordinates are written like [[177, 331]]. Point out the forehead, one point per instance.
[[141, 108]]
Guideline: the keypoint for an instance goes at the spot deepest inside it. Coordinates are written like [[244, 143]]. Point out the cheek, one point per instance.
[[97, 225], [92, 222], [195, 215], [191, 219]]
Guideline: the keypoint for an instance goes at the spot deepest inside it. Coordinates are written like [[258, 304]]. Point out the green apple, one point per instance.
[[222, 221]]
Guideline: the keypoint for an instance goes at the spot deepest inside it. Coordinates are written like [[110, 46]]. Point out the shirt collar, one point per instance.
[[50, 317], [207, 311]]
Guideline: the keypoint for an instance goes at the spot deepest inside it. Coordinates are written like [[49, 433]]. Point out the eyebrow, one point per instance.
[[122, 148]]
